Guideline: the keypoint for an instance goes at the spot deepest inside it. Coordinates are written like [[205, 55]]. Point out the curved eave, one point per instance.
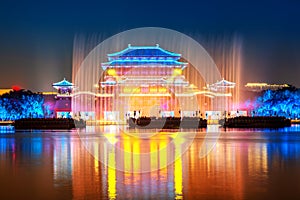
[[142, 62], [132, 48], [224, 83], [104, 67], [63, 86], [63, 83]]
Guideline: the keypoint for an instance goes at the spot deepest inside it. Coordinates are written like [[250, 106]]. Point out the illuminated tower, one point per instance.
[[63, 98]]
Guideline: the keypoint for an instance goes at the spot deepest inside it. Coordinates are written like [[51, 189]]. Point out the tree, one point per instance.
[[284, 102], [21, 104]]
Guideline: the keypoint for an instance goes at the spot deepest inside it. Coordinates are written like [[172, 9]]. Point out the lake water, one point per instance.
[[214, 164]]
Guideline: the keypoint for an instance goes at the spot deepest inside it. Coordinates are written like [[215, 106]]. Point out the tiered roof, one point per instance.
[[143, 51], [221, 85], [143, 56], [63, 84]]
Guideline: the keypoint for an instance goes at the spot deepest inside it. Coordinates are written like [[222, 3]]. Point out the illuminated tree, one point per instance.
[[21, 104], [285, 102]]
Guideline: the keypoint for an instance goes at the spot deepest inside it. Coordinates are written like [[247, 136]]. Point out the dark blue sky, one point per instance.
[[36, 37]]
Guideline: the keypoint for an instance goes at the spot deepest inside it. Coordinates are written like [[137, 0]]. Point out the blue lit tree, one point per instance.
[[3, 111], [21, 104], [285, 102]]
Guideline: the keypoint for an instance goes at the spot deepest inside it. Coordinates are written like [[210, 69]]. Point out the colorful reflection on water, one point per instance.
[[239, 164]]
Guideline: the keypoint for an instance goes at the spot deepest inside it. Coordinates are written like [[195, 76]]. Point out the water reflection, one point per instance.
[[49, 165], [62, 161], [138, 158], [6, 129]]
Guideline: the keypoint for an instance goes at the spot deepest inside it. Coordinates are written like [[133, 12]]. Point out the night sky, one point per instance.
[[36, 37]]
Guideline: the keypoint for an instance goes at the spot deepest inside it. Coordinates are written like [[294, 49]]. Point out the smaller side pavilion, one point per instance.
[[63, 103]]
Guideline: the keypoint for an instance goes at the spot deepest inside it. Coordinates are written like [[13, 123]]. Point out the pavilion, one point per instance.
[[62, 107]]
